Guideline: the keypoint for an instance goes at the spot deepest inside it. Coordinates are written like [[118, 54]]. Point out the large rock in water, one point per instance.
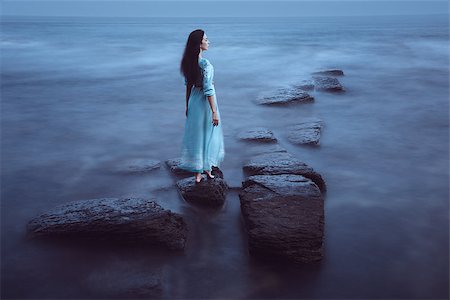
[[208, 192], [284, 217], [283, 96], [306, 132], [119, 219], [275, 163]]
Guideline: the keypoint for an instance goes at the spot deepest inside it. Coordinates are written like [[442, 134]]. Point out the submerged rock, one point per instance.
[[208, 192], [331, 72], [306, 85], [124, 281], [285, 96], [283, 216], [138, 166], [259, 134], [327, 84], [118, 219], [306, 132], [275, 163]]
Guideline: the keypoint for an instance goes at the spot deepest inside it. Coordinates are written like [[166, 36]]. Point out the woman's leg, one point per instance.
[[198, 177], [208, 172]]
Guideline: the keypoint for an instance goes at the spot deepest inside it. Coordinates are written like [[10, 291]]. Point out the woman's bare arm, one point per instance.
[[213, 108]]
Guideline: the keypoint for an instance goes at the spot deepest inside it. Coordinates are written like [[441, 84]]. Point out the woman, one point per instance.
[[202, 145]]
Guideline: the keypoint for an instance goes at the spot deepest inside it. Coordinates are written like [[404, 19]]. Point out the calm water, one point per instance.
[[80, 95]]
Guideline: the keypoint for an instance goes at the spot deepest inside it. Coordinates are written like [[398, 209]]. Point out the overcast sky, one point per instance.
[[214, 8]]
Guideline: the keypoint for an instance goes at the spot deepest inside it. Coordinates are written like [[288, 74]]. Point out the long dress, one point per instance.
[[203, 145]]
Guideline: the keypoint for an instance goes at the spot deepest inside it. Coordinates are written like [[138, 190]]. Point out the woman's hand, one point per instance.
[[215, 119]]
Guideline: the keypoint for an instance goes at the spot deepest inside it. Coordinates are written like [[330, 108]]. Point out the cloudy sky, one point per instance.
[[215, 8]]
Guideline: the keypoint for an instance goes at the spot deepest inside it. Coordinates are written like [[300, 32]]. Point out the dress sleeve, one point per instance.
[[208, 76]]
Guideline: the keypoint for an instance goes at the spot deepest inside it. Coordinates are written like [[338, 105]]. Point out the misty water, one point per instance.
[[81, 95]]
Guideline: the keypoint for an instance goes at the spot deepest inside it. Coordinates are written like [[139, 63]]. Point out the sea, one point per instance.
[[81, 95]]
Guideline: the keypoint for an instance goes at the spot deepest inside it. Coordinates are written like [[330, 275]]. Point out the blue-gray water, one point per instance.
[[79, 95]]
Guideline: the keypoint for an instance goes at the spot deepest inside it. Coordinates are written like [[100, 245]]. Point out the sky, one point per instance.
[[215, 8]]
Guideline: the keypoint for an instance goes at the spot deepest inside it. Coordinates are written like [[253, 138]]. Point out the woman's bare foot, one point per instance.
[[198, 177], [209, 174]]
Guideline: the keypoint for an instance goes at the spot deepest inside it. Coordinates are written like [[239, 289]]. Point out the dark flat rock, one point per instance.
[[306, 132], [283, 216], [174, 166], [119, 219], [258, 134], [275, 163], [208, 192], [138, 166], [327, 84], [330, 72], [283, 96]]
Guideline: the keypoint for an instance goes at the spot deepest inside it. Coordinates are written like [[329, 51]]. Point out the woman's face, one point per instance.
[[205, 43]]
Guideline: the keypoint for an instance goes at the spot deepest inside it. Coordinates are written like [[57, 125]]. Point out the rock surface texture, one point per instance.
[[283, 216], [327, 84], [275, 163], [331, 72], [283, 96], [119, 219], [307, 132], [258, 134], [208, 192]]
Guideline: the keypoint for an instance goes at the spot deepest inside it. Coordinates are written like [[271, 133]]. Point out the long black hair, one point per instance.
[[189, 64]]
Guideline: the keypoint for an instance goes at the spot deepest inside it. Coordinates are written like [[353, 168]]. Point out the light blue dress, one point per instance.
[[202, 145]]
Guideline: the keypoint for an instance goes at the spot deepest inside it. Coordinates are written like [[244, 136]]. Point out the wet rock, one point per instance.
[[124, 282], [285, 96], [306, 85], [275, 163], [119, 219], [331, 72], [138, 166], [259, 134], [306, 132], [208, 192], [174, 164], [283, 216], [327, 84]]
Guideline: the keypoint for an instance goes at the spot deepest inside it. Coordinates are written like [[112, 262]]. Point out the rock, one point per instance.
[[124, 282], [285, 96], [259, 134], [174, 164], [327, 84], [208, 192], [306, 132], [275, 163], [283, 216], [306, 85], [331, 72], [138, 165], [119, 219]]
